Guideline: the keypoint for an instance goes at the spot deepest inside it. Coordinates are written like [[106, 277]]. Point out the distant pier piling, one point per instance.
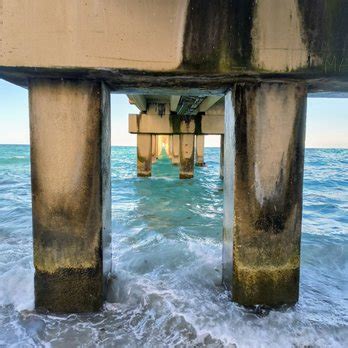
[[187, 154], [200, 151], [144, 154]]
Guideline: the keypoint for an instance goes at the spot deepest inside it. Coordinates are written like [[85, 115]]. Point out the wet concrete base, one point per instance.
[[273, 286], [69, 291]]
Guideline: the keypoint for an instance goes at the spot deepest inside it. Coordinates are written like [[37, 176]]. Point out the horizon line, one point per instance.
[[214, 147]]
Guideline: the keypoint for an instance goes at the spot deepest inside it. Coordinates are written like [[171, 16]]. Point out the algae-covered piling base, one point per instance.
[[263, 202]]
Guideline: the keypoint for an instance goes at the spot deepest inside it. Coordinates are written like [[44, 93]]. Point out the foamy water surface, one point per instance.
[[167, 251]]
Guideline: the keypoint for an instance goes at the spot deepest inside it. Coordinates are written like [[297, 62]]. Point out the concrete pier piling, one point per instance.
[[71, 195], [222, 140], [170, 147], [200, 151], [176, 149], [159, 146], [186, 156], [263, 199], [144, 154], [153, 148]]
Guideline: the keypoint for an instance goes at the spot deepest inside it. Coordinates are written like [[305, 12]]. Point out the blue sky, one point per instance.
[[327, 120]]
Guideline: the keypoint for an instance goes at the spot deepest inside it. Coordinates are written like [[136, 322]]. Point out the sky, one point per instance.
[[327, 120]]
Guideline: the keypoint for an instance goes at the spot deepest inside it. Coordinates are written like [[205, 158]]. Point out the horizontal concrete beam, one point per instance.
[[188, 105], [209, 102], [175, 124], [139, 101], [176, 36], [174, 102]]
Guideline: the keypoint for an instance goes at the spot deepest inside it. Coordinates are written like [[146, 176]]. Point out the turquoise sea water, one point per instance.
[[167, 263]]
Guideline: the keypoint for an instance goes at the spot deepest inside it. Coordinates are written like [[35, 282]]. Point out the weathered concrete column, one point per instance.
[[200, 151], [176, 149], [187, 156], [264, 155], [222, 140], [153, 148], [144, 154], [165, 143], [170, 147], [71, 193], [158, 146]]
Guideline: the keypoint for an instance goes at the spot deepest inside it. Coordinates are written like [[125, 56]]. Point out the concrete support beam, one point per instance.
[[71, 193], [208, 102], [174, 102], [187, 155], [200, 151], [176, 149], [188, 105], [144, 154], [264, 155], [176, 124], [139, 101], [222, 157], [154, 148]]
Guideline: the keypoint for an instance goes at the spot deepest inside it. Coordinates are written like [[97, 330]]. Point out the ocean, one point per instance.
[[167, 247]]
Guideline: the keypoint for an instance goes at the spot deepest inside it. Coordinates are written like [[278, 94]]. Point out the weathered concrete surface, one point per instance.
[[147, 36], [175, 43], [165, 143], [71, 193], [200, 151], [269, 126], [176, 149], [144, 154], [154, 148], [159, 145], [187, 155], [222, 157], [175, 124], [170, 146]]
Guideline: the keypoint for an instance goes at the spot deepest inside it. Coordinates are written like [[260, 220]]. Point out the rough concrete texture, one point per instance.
[[222, 157], [176, 149], [200, 151], [144, 154], [175, 124], [237, 37], [170, 146], [269, 138], [159, 145], [186, 156], [71, 196], [75, 33], [154, 148]]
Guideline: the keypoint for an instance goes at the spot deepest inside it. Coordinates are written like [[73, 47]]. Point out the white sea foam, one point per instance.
[[167, 249], [17, 288]]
